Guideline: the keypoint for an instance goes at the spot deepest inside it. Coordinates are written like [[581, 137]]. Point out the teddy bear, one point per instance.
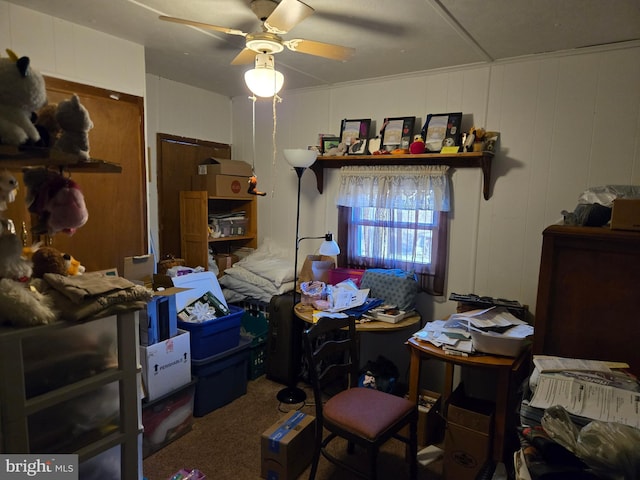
[[22, 92], [75, 123], [48, 260], [57, 201]]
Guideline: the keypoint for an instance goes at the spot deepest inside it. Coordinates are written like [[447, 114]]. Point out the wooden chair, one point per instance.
[[363, 416]]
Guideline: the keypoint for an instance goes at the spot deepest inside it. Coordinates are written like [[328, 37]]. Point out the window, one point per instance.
[[395, 217]]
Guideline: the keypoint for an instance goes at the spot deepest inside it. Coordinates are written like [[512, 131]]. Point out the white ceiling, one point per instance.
[[390, 37]]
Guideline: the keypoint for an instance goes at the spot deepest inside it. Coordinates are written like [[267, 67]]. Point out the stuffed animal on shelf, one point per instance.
[[22, 92], [47, 125], [74, 267], [48, 260], [12, 264], [20, 305], [75, 123], [8, 189], [340, 150], [56, 200]]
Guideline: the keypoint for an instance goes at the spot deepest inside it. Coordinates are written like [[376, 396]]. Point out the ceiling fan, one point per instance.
[[277, 19]]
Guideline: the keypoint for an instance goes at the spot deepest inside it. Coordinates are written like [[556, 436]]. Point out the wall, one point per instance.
[[72, 52]]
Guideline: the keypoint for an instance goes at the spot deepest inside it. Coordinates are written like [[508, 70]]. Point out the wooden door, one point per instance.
[[117, 202], [178, 160]]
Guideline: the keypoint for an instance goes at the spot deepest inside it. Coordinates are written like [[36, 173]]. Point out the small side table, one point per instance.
[[505, 368]]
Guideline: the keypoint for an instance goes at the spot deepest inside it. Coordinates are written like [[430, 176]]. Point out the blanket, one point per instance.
[[92, 295]]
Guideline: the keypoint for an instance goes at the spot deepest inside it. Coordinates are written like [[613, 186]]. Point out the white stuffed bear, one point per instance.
[[75, 123], [22, 92]]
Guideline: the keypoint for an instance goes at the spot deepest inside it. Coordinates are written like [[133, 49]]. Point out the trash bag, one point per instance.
[[595, 205], [610, 449]]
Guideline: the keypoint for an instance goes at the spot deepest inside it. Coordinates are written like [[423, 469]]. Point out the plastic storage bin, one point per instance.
[[214, 336], [221, 378], [167, 418], [255, 327], [337, 275]]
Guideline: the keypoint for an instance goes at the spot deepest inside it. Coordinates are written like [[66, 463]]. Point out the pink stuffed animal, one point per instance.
[[57, 200]]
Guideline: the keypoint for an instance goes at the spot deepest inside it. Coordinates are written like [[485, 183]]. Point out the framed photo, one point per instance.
[[442, 130], [328, 143], [397, 133], [351, 131]]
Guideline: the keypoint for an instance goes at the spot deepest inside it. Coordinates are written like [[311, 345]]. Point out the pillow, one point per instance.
[[270, 262]]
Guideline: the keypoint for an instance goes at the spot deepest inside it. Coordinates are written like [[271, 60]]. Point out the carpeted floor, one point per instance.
[[225, 444]]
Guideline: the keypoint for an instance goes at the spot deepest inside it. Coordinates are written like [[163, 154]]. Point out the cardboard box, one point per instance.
[[224, 166], [166, 366], [468, 436], [139, 269], [625, 214], [287, 446], [222, 185]]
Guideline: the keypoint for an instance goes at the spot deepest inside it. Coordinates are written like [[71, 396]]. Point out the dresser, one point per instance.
[[589, 295]]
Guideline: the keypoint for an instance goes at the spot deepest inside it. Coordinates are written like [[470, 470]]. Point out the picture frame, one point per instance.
[[442, 130], [328, 142], [397, 132], [353, 130]]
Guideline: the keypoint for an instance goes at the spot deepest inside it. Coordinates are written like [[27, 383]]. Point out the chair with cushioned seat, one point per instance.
[[365, 417]]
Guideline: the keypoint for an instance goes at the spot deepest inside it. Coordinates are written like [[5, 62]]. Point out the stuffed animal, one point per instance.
[[74, 267], [8, 189], [21, 306], [47, 125], [75, 123], [56, 200], [13, 265], [48, 260], [341, 149], [22, 92]]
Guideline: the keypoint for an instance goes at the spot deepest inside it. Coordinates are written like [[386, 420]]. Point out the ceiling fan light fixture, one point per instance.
[[264, 80]]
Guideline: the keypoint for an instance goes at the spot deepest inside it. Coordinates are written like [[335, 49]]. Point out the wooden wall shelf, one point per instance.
[[456, 160], [19, 157]]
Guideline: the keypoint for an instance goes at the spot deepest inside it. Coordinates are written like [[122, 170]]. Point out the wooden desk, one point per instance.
[[305, 312], [504, 367]]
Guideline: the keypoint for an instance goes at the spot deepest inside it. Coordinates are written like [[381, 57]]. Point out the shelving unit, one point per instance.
[[29, 395], [480, 160], [195, 207]]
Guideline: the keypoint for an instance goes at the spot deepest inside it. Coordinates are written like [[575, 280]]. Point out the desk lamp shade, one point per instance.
[[300, 157], [329, 247], [264, 80]]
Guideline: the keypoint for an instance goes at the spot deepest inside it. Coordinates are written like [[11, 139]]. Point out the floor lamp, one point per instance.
[[300, 160]]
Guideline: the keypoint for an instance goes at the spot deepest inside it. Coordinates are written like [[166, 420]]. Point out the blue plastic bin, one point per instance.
[[214, 336], [221, 378]]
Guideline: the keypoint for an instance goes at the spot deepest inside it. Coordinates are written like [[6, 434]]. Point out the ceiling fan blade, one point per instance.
[[326, 50], [245, 57], [287, 15], [230, 31]]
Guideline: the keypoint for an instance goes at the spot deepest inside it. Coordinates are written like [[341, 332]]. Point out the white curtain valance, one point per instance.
[[421, 187]]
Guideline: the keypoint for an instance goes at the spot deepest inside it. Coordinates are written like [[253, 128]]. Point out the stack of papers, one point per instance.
[[454, 337]]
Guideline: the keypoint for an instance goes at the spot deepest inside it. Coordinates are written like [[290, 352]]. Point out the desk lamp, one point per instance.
[[300, 160]]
